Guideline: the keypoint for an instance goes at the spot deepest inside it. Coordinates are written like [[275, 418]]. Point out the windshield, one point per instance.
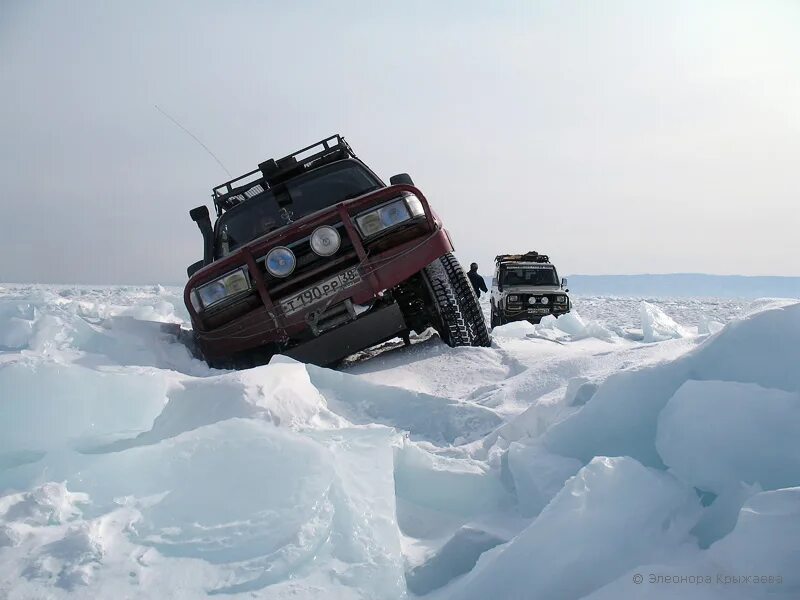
[[532, 276], [327, 186], [246, 222], [290, 201]]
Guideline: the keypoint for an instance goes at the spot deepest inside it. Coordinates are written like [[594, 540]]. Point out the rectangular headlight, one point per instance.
[[230, 284], [374, 221], [513, 298], [369, 223]]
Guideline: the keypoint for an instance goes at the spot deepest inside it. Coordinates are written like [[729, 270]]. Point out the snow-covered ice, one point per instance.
[[652, 437], [657, 326]]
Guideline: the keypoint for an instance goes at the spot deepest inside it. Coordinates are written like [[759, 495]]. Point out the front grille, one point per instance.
[[310, 266], [524, 302], [525, 298]]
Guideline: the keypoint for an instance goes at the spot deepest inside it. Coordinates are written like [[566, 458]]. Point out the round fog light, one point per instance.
[[545, 300], [325, 240], [280, 261], [532, 300]]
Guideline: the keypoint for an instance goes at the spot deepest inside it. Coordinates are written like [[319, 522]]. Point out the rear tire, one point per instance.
[[460, 317]]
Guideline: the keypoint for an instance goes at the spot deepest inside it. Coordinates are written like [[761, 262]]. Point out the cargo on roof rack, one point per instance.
[[531, 256], [271, 171]]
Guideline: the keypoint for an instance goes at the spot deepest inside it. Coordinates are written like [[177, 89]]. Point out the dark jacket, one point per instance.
[[477, 282]]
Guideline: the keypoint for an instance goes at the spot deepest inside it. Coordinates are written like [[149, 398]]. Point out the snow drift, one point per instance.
[[560, 463]]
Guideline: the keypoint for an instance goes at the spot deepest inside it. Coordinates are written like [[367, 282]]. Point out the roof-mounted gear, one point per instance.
[[531, 256], [272, 172]]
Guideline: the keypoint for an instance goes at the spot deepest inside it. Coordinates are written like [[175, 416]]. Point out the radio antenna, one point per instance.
[[195, 138]]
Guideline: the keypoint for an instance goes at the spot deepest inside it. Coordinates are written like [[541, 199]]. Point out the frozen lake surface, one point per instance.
[[634, 436]]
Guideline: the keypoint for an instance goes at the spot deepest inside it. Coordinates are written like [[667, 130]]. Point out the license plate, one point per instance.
[[321, 291], [539, 311]]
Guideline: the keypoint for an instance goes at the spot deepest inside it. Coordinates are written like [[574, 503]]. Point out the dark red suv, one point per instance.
[[313, 256]]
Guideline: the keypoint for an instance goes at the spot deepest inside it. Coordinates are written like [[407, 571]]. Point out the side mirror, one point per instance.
[[401, 178], [563, 283], [194, 268]]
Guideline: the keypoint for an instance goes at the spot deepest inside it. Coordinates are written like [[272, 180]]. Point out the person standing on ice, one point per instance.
[[476, 280]]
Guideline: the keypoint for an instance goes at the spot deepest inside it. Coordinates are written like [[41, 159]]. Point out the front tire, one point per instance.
[[496, 319], [460, 318]]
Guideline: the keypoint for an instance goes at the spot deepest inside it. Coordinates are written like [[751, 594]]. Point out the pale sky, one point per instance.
[[618, 137]]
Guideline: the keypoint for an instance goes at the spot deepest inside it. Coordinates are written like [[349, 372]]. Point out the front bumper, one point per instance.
[[526, 314], [266, 326]]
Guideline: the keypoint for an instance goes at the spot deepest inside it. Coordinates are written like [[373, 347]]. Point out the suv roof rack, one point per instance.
[[531, 256], [271, 171]]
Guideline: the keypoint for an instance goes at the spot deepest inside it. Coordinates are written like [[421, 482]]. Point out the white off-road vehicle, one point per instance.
[[526, 287]]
